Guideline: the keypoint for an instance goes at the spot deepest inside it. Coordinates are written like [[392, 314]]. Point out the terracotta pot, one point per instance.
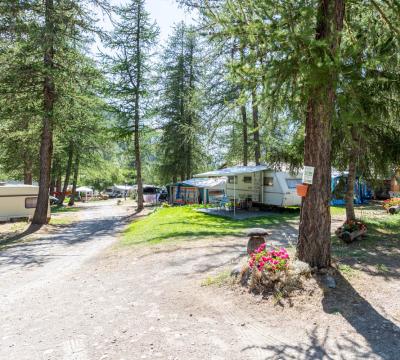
[[301, 189]]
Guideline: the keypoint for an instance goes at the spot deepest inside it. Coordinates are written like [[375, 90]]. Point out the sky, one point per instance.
[[165, 12]]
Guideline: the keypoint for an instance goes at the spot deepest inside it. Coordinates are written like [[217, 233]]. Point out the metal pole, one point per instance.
[[234, 195], [262, 187]]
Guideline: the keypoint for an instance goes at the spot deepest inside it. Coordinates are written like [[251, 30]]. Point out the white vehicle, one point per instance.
[[17, 201], [260, 184]]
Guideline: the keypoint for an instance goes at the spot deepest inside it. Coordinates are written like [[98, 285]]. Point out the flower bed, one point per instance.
[[269, 260], [391, 203], [270, 271]]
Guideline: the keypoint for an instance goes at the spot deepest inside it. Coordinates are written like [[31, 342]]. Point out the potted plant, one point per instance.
[[351, 230]]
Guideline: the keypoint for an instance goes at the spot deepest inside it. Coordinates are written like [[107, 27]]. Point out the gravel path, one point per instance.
[[73, 296]]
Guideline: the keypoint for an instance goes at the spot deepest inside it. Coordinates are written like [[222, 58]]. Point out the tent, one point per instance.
[[197, 190], [85, 190], [362, 193]]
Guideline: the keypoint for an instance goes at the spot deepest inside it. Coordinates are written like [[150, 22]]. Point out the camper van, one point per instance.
[[17, 201], [259, 184]]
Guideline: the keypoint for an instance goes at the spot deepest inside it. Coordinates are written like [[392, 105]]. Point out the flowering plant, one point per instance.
[[353, 225], [272, 260], [391, 202]]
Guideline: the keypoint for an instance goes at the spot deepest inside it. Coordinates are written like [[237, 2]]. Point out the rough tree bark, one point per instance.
[[256, 130], [349, 198], [138, 161], [46, 146], [314, 244], [75, 181], [28, 171], [58, 181], [67, 173], [245, 135]]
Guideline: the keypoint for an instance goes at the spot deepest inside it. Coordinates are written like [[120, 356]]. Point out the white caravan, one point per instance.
[[259, 184], [17, 201]]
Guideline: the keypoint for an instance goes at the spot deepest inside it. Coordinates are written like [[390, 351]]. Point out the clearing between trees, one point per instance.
[[169, 295]]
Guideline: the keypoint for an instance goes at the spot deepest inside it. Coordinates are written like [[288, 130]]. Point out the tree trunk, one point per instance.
[[46, 146], [350, 215], [67, 173], [245, 134], [256, 130], [52, 184], [138, 161], [314, 243], [27, 171], [75, 181], [58, 181]]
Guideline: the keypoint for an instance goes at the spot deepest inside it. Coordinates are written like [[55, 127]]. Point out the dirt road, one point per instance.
[[74, 296]]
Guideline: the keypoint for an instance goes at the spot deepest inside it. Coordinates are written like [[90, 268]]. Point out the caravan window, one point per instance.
[[230, 179], [268, 181], [30, 202], [291, 183], [247, 179]]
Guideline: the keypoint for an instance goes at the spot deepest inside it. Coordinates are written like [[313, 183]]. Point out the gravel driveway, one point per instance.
[[74, 296]]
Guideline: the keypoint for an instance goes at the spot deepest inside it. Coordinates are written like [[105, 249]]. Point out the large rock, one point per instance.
[[329, 281], [300, 268]]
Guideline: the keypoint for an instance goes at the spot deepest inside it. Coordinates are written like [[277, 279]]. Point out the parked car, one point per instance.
[[54, 200]]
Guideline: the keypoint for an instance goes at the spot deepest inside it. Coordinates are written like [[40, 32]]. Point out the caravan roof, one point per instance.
[[235, 170], [204, 183]]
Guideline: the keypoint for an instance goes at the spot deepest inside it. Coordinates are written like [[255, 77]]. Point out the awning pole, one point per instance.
[[234, 195]]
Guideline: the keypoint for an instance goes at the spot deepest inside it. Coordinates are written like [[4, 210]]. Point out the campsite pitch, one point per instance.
[[76, 295]]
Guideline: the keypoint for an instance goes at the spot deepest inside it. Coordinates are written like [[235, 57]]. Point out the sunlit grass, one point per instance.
[[338, 210], [186, 223], [61, 221], [60, 209], [218, 280]]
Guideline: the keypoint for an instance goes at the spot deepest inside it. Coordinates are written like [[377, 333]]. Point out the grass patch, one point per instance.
[[338, 210], [218, 280], [178, 223], [387, 227], [382, 268], [62, 209], [347, 271], [382, 238], [60, 221]]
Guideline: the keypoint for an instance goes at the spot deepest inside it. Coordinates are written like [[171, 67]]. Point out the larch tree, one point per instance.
[[128, 63], [299, 66], [180, 144], [314, 242]]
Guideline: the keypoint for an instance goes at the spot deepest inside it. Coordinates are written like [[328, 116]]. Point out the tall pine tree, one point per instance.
[[130, 47]]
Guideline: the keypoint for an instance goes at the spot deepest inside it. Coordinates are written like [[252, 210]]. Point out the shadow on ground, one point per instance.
[[380, 337], [41, 250]]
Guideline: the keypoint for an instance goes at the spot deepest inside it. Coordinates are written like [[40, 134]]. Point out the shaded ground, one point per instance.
[[76, 301]]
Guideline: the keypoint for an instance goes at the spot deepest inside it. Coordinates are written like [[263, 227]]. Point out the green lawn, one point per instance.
[[338, 210], [61, 209], [383, 236], [182, 223], [185, 223]]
